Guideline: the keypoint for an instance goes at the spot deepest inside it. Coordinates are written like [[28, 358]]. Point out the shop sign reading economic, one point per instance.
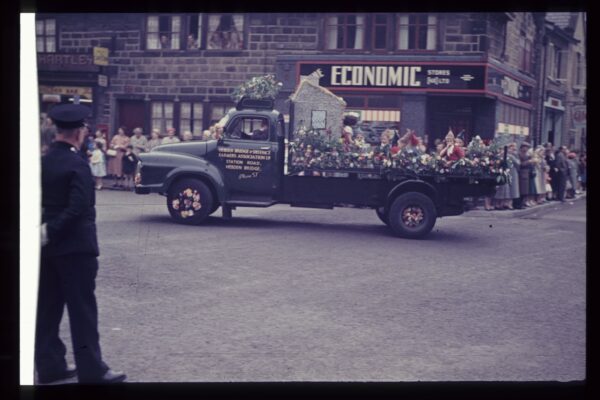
[[423, 76]]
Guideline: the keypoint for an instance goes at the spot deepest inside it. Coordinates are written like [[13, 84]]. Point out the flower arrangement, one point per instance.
[[259, 87], [311, 150]]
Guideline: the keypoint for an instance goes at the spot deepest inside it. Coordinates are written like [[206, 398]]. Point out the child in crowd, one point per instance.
[[97, 163], [129, 163]]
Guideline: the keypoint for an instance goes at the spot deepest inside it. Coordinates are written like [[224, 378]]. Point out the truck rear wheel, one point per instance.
[[383, 216], [412, 215], [189, 201]]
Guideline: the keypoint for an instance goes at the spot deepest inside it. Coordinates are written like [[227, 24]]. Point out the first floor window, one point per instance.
[[162, 116], [380, 32], [225, 31], [345, 32], [45, 33], [163, 32], [417, 32], [526, 54], [194, 32], [191, 117]]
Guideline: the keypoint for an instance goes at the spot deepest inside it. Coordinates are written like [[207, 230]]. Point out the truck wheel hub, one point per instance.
[[186, 202], [412, 216]]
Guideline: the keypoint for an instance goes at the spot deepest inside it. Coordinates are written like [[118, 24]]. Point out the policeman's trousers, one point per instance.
[[70, 280]]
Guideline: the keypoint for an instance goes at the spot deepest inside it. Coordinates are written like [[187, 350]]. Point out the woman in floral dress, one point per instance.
[[118, 143]]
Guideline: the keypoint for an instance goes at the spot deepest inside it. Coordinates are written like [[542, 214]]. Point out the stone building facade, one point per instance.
[[473, 72], [563, 80]]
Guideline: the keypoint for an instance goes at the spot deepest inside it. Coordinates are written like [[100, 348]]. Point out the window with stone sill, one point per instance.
[[559, 63], [345, 32], [162, 116], [45, 33], [579, 71], [190, 117], [218, 111], [225, 32], [379, 32], [194, 32], [416, 32], [525, 44], [163, 32]]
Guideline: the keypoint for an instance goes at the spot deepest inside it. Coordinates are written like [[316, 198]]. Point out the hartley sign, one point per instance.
[[66, 62], [398, 76]]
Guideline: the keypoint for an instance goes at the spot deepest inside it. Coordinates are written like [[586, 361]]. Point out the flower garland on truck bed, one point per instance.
[[313, 152]]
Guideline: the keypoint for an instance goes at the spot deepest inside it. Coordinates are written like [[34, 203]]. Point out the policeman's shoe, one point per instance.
[[109, 376], [69, 372]]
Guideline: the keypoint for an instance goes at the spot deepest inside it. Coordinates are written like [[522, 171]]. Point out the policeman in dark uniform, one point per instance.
[[68, 260]]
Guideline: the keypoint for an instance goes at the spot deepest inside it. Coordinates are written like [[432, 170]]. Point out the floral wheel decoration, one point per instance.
[[412, 216], [187, 202]]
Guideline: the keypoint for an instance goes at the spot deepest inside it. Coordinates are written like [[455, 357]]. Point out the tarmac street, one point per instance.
[[292, 294]]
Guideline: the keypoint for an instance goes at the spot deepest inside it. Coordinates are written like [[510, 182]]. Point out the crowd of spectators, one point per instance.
[[537, 175]]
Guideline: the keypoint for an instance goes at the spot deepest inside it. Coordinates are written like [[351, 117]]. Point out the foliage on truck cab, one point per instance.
[[259, 87]]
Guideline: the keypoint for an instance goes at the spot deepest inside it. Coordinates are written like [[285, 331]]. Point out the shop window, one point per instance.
[[190, 117], [163, 32], [45, 34], [380, 32], [417, 32], [355, 101], [162, 115], [382, 102], [225, 32], [345, 32]]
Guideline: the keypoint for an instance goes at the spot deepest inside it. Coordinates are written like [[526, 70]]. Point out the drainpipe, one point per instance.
[[542, 111]]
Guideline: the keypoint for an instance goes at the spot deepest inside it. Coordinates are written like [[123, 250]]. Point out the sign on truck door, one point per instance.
[[247, 155]]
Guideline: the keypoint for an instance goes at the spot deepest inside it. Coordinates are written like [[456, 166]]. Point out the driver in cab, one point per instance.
[[262, 133]]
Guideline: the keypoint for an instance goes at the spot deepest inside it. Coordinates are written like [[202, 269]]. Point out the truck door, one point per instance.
[[248, 158]]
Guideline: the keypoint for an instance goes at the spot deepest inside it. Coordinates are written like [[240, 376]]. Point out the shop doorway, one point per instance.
[[449, 113], [130, 115]]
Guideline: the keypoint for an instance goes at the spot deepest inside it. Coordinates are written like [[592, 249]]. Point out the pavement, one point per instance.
[[544, 207]]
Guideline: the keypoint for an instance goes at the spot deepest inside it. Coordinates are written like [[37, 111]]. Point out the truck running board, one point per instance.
[[312, 205], [234, 204]]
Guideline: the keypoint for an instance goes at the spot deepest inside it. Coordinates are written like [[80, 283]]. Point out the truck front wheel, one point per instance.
[[412, 215], [189, 201]]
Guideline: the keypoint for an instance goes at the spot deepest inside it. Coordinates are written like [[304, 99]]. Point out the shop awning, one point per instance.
[[379, 115]]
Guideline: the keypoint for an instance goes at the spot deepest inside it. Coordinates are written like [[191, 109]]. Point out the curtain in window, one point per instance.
[[431, 32], [403, 32], [332, 33], [359, 32], [152, 33], [175, 32], [225, 31]]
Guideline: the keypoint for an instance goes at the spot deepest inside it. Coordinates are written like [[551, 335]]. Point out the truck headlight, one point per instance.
[[138, 173]]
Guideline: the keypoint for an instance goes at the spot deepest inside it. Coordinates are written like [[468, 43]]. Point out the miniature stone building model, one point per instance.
[[316, 107]]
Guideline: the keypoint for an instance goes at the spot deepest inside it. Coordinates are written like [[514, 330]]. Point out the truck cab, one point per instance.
[[250, 154]]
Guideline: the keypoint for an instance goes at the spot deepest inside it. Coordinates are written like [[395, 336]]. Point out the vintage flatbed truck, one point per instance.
[[239, 170]]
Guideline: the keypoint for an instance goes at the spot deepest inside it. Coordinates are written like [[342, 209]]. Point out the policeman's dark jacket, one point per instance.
[[68, 202]]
